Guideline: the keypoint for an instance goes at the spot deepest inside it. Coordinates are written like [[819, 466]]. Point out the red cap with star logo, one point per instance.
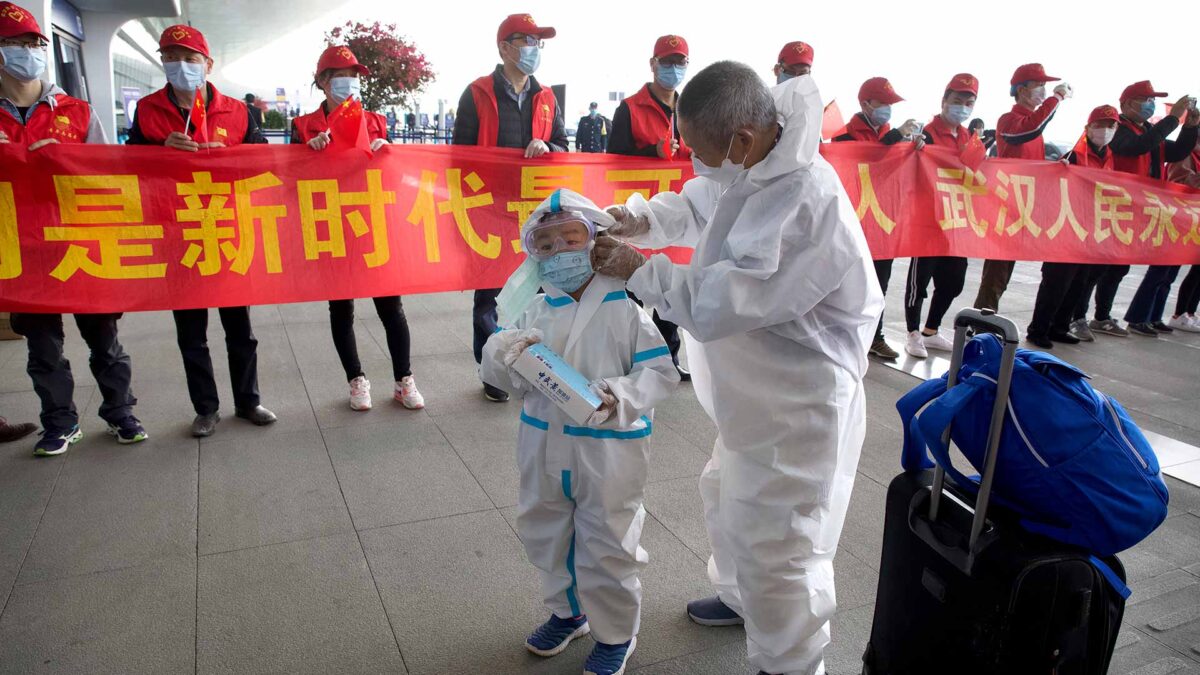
[[796, 52], [336, 58], [16, 21], [964, 82], [670, 45], [878, 89], [184, 36], [1104, 113], [525, 25]]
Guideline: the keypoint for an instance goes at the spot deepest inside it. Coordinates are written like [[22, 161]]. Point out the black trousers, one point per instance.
[[51, 371], [395, 325], [993, 281], [668, 330], [1105, 279], [883, 270], [191, 328], [948, 273], [1150, 300], [1189, 293], [1055, 306], [483, 318]]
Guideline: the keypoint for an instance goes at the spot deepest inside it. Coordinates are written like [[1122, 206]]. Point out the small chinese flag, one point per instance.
[[198, 117], [670, 136], [831, 121], [974, 154], [348, 126]]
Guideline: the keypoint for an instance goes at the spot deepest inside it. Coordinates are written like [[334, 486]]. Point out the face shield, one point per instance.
[[558, 232]]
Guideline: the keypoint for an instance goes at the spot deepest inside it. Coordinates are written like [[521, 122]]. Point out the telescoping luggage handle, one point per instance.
[[984, 320]]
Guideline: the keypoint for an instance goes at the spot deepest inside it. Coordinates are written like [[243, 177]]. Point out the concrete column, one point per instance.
[[100, 28]]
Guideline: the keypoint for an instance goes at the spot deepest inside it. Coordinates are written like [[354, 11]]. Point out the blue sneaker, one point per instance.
[[553, 636], [713, 612], [53, 443], [609, 659], [128, 430]]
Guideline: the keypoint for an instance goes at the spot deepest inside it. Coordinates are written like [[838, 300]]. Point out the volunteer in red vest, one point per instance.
[[338, 73], [508, 108], [1019, 136], [876, 97], [947, 272], [163, 118], [1187, 172], [795, 59], [1093, 151], [644, 125], [1142, 149], [35, 114]]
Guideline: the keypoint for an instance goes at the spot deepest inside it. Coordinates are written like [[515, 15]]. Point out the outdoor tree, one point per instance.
[[398, 68]]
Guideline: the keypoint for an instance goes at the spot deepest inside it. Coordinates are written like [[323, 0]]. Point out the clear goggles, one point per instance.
[[558, 232]]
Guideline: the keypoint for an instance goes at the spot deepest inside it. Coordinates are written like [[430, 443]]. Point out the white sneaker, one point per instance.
[[407, 394], [360, 393], [915, 345], [938, 342], [1194, 319], [1185, 323]]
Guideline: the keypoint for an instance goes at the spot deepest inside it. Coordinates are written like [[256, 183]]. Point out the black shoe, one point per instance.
[[494, 394], [1162, 327], [1065, 338], [685, 375], [1040, 341], [12, 432], [205, 425], [1143, 329], [258, 416]]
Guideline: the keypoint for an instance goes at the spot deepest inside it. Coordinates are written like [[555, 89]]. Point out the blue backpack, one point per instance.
[[1072, 464]]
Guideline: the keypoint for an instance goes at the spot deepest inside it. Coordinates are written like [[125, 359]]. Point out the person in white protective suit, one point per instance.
[[580, 510], [781, 301]]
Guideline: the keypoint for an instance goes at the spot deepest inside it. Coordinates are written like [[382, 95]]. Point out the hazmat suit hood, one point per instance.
[[798, 103]]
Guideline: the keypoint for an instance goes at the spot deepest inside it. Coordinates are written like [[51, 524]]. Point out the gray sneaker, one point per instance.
[[1108, 327], [1080, 330]]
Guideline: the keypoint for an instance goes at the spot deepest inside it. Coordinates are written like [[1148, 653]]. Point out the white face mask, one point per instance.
[[1037, 96], [1100, 136], [342, 88], [725, 174]]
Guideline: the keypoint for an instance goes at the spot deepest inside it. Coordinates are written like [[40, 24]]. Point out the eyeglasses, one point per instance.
[[28, 44], [530, 40], [674, 60]]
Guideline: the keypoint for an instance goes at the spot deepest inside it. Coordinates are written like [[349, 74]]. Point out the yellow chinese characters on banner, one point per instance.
[[958, 189], [106, 210], [10, 241], [375, 198], [212, 242]]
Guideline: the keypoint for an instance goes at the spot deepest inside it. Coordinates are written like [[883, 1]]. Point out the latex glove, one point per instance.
[[181, 141], [1181, 107], [42, 143], [910, 129], [628, 225], [608, 404], [919, 143], [519, 341], [1193, 118], [614, 258], [1064, 91], [536, 148], [320, 141], [377, 144]]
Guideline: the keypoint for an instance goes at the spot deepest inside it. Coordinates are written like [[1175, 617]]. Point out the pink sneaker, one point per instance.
[[407, 394], [360, 393]]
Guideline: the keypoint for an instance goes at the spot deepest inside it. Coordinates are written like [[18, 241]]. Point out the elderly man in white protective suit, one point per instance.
[[780, 301]]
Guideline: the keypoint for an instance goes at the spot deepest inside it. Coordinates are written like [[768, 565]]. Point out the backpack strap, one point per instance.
[[1111, 577], [914, 457], [927, 428]]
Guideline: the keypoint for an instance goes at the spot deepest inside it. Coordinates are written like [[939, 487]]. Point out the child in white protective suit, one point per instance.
[[580, 510]]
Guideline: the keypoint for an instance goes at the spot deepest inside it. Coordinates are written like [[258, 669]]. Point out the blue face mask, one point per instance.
[[783, 77], [567, 271], [24, 63], [958, 113], [669, 77], [531, 58], [881, 115], [342, 88], [1148, 109], [185, 76]]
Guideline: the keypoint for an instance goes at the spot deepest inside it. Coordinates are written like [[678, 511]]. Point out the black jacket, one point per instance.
[[1128, 144], [516, 124]]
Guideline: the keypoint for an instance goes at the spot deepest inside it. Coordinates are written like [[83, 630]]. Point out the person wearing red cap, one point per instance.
[[947, 272], [337, 75], [795, 59], [1019, 136], [644, 125], [509, 108], [34, 114], [1187, 172], [164, 118], [876, 97], [1141, 148]]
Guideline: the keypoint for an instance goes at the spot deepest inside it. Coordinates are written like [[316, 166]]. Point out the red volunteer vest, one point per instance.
[[941, 134], [308, 126], [67, 122], [228, 119], [859, 129], [1085, 157], [487, 109], [1140, 165], [648, 123]]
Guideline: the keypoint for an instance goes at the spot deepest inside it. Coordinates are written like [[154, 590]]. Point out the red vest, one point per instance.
[[860, 130], [308, 126], [1140, 165], [648, 123], [940, 133], [1085, 157], [487, 109], [158, 116], [67, 122]]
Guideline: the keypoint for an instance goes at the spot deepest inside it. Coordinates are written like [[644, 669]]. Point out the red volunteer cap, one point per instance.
[[525, 25], [1141, 89], [796, 52], [964, 82], [1102, 113], [183, 36], [670, 45], [15, 21], [336, 58], [878, 89], [1031, 72]]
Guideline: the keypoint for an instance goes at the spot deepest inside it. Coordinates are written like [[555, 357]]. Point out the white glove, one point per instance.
[[377, 144], [608, 404], [1064, 91], [320, 141], [910, 129], [518, 342], [628, 225]]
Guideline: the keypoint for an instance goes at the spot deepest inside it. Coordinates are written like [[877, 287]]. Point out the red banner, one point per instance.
[[112, 228]]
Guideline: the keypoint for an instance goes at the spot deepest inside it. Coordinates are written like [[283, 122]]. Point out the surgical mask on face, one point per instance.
[[782, 77], [592, 113], [1037, 96], [1148, 108], [1101, 136], [185, 76], [24, 63], [881, 115], [531, 58], [958, 113], [726, 173], [669, 77], [342, 88], [568, 270]]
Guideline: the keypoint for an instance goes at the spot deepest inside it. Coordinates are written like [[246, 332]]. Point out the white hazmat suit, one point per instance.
[[782, 296], [580, 510]]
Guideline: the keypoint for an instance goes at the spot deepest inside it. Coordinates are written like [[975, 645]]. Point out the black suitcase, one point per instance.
[[964, 590]]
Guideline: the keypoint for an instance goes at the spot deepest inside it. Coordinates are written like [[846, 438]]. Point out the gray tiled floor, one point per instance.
[[338, 541]]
